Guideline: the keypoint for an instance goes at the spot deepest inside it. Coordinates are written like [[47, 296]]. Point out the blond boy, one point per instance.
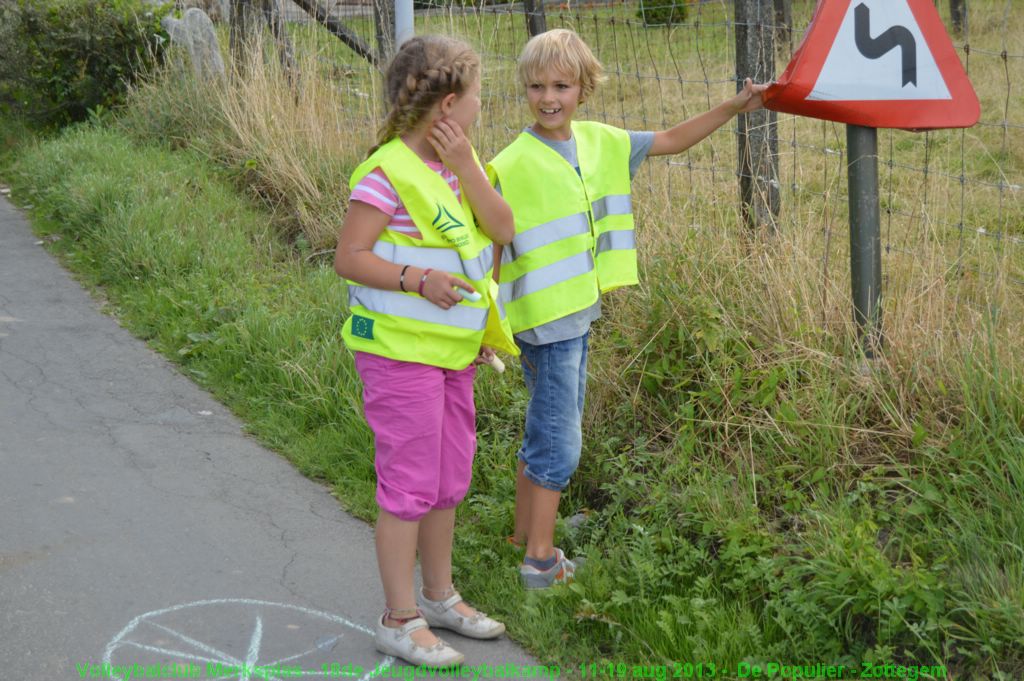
[[568, 184]]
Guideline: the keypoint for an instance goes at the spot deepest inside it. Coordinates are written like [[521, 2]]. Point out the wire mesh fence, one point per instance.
[[952, 203]]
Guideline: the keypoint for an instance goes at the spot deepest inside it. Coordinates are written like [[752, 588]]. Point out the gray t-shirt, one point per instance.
[[578, 323]]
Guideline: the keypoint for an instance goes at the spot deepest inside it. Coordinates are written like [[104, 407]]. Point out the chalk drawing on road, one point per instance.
[[243, 639], [7, 319]]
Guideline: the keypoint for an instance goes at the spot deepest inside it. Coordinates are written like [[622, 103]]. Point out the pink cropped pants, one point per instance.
[[424, 425]]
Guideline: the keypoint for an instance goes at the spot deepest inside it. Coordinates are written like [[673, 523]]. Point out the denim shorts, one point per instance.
[[556, 378]]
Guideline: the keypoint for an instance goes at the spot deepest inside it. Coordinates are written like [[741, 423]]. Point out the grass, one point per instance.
[[753, 490]]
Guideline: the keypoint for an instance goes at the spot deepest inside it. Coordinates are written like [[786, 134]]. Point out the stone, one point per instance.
[[195, 32], [217, 10]]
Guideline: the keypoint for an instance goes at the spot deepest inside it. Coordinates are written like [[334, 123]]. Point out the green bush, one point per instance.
[[61, 59], [662, 12]]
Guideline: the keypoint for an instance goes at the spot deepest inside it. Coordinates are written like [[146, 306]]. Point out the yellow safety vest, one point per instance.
[[406, 326], [574, 232]]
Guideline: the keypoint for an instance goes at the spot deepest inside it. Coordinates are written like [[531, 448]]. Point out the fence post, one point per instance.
[[244, 23], [384, 22], [757, 138], [784, 26], [536, 22], [958, 12], [274, 13]]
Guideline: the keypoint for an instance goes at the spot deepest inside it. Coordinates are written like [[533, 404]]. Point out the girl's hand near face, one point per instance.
[[493, 216], [750, 97], [452, 145]]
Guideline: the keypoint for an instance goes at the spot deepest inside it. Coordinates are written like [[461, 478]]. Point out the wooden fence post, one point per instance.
[[536, 22], [758, 136]]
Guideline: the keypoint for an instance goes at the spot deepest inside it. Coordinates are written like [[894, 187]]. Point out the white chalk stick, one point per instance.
[[468, 295], [496, 364]]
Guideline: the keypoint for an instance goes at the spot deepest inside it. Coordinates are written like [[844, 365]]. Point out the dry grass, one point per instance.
[[949, 289]]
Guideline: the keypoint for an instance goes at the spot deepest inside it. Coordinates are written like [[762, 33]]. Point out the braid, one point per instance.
[[424, 71]]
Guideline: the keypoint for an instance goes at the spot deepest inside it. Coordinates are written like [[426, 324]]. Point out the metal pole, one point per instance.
[[403, 21], [865, 236]]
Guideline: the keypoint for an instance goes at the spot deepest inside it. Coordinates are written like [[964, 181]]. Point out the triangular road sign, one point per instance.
[[877, 63]]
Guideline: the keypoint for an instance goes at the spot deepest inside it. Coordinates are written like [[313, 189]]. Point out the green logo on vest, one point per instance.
[[362, 327], [444, 220]]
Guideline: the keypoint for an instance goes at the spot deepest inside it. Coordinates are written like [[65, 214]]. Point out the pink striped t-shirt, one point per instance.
[[376, 190]]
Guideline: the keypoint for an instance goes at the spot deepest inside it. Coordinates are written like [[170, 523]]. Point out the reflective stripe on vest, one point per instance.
[[613, 204], [546, 277], [444, 259], [619, 240], [419, 309], [542, 235]]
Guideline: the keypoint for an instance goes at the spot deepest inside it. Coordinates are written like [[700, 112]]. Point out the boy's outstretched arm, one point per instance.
[[689, 132]]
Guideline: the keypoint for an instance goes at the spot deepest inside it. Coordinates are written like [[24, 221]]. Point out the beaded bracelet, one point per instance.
[[423, 279]]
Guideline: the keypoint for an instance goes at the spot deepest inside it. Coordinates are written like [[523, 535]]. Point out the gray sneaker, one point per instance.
[[560, 573]]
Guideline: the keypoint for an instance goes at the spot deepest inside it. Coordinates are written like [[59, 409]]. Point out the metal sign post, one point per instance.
[[403, 22], [865, 236], [874, 64]]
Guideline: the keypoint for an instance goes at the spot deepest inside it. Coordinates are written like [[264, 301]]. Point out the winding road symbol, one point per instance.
[[874, 48]]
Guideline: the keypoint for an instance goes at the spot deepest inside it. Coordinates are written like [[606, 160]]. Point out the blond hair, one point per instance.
[[562, 51], [423, 71]]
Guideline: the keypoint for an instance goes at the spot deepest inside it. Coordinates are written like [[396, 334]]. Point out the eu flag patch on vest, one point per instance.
[[362, 327]]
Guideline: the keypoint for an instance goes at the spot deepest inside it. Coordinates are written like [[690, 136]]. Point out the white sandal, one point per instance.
[[442, 614], [398, 642]]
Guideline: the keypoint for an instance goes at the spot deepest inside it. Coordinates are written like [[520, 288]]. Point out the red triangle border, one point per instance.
[[789, 93]]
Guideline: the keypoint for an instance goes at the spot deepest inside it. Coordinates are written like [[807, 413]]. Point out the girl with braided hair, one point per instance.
[[416, 247]]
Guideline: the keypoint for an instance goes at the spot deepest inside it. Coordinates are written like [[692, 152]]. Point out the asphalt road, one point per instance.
[[140, 527]]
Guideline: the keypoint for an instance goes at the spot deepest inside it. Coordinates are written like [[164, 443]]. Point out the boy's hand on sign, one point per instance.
[[750, 97], [452, 145]]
